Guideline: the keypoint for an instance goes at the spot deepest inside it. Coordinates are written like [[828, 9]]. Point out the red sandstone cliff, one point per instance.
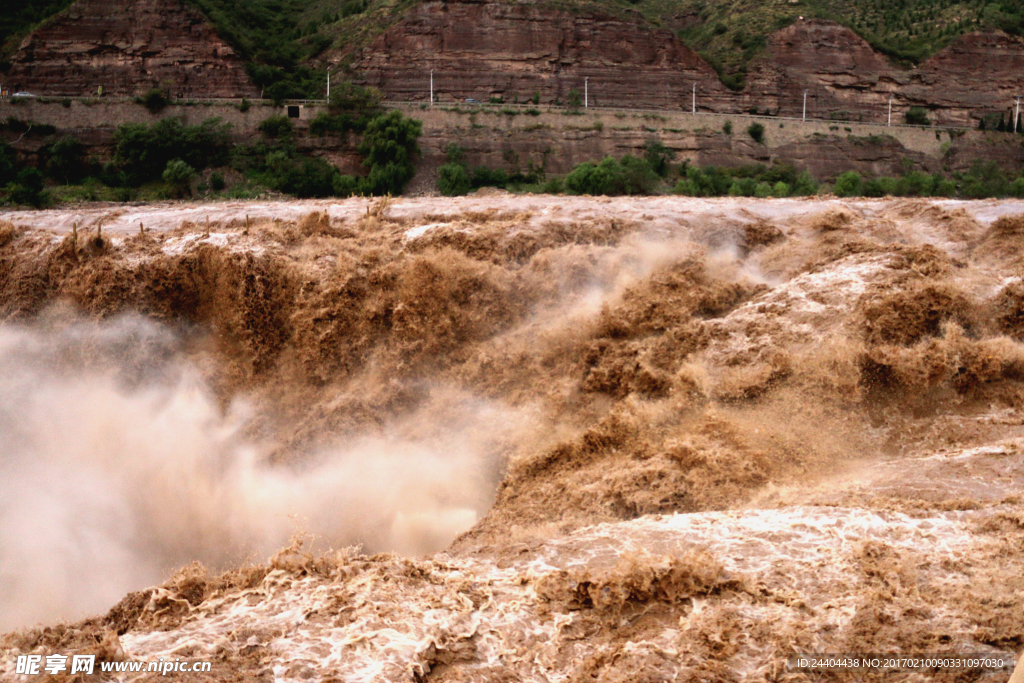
[[976, 74], [128, 46], [479, 50]]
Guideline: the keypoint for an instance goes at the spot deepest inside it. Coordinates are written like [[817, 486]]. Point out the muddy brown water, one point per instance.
[[598, 439]]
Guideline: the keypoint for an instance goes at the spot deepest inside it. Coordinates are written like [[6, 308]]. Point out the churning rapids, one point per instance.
[[513, 438]]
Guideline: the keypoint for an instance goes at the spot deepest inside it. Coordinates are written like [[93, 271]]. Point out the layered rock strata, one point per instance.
[[127, 47], [483, 50], [844, 78]]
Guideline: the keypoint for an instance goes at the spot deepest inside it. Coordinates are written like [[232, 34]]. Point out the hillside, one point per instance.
[[287, 42]]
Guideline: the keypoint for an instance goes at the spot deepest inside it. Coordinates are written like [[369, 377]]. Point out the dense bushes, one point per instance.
[[778, 180], [917, 116], [453, 180], [277, 126], [389, 146], [628, 176], [849, 184], [351, 108], [141, 152]]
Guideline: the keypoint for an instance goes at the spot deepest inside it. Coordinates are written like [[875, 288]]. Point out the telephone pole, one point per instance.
[[805, 106], [693, 106], [1016, 114], [328, 82], [431, 87], [586, 92]]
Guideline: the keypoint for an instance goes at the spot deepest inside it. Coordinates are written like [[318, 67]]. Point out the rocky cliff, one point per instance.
[[977, 74], [127, 47], [482, 50]]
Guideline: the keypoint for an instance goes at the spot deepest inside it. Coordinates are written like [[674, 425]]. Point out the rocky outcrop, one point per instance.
[[844, 78], [483, 50], [128, 47]]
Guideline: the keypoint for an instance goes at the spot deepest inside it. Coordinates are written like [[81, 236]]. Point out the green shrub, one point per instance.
[[658, 156], [917, 116], [915, 184], [638, 176], [346, 97], [880, 187], [743, 187], [727, 128], [945, 188], [217, 181], [452, 180], [763, 190], [1017, 188], [347, 185], [848, 184], [277, 126], [631, 175], [8, 164], [536, 97], [552, 186], [805, 185], [489, 177], [178, 175], [66, 160], [588, 178], [985, 179], [141, 152], [310, 177], [28, 188], [389, 146], [781, 189], [244, 106], [756, 131], [154, 100], [574, 99]]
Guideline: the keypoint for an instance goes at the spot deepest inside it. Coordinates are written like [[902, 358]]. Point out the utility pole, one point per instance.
[[431, 87], [328, 82], [805, 106], [1016, 114], [890, 111], [693, 104], [586, 92]]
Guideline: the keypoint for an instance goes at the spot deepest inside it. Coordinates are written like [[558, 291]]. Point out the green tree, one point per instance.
[[849, 184], [8, 164], [154, 100], [917, 116], [389, 146], [658, 156], [277, 127], [28, 188], [142, 152], [575, 100], [756, 131], [178, 175], [452, 180], [66, 160]]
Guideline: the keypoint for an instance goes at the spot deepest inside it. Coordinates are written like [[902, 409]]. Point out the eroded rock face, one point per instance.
[[977, 74], [128, 47], [484, 50], [480, 50]]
